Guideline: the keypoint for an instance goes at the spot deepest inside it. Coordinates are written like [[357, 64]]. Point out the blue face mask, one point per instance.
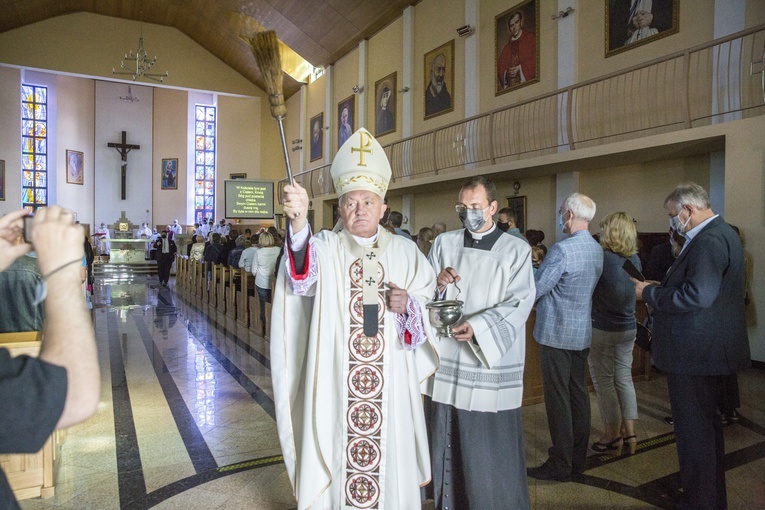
[[472, 219]]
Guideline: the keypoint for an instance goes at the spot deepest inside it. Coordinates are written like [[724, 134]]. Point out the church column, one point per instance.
[[730, 17], [565, 184], [568, 182], [717, 181], [407, 98], [361, 96], [566, 59], [472, 59], [328, 117], [304, 135]]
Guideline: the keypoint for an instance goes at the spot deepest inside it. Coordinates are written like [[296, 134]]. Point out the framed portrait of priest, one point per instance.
[[317, 136], [345, 116], [74, 167], [439, 80], [632, 23], [385, 105], [516, 46]]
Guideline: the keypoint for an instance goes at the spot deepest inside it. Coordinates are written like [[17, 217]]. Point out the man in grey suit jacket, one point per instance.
[[699, 337], [565, 282]]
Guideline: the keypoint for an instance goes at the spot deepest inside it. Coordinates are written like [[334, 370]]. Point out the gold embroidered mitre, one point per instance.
[[361, 164]]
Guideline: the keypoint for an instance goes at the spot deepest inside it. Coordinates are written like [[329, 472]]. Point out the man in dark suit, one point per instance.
[[699, 337], [166, 250]]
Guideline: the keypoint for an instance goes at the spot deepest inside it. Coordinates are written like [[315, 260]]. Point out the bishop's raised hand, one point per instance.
[[295, 203]]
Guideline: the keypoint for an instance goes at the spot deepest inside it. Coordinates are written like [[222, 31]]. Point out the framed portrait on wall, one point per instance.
[[439, 80], [345, 116], [385, 105], [516, 46], [317, 136], [170, 173], [632, 23], [518, 204], [74, 170], [2, 179]]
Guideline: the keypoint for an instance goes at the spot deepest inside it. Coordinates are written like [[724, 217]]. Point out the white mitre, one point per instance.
[[361, 164]]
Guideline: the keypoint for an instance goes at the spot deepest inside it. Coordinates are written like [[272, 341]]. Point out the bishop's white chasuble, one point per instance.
[[346, 388]]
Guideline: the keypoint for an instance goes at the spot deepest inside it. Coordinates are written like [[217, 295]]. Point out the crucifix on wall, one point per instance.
[[123, 148]]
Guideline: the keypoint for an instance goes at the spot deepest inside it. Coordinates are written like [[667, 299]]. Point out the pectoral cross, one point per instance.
[[123, 148]]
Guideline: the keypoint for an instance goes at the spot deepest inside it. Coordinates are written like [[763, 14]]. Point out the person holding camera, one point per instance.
[[62, 386]]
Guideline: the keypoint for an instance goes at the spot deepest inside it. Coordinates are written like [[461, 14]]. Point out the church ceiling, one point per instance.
[[319, 31]]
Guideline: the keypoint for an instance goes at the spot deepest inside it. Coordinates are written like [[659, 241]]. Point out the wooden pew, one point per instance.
[[200, 281], [231, 293], [256, 325], [31, 475], [242, 301], [220, 303]]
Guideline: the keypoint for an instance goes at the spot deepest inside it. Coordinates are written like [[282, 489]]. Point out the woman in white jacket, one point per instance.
[[263, 263]]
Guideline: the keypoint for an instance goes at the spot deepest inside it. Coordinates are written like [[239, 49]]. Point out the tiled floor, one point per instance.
[[187, 421]]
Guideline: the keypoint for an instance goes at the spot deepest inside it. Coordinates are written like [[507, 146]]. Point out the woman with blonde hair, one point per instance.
[[198, 248], [613, 336], [425, 240], [263, 263]]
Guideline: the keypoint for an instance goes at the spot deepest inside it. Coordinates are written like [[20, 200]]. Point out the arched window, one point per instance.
[[204, 170], [34, 146]]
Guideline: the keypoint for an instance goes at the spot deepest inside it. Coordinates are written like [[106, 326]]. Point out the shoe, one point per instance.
[[669, 421], [724, 418], [733, 415], [545, 472], [611, 448], [631, 442]]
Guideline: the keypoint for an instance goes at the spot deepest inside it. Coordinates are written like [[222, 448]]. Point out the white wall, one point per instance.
[[112, 117]]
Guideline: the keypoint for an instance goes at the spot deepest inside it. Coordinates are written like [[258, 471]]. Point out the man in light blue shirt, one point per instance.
[[565, 282]]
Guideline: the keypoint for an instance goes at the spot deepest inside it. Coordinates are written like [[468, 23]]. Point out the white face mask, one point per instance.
[[676, 223]]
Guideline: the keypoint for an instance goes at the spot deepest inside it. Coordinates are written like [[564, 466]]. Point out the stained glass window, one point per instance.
[[34, 146], [204, 171]]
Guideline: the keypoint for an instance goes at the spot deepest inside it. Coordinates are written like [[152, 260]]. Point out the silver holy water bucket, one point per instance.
[[444, 314]]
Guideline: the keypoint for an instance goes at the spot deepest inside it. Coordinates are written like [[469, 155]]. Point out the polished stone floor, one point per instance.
[[186, 421]]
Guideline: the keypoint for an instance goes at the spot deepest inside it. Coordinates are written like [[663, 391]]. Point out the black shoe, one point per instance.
[[724, 418], [669, 421], [733, 415], [545, 472]]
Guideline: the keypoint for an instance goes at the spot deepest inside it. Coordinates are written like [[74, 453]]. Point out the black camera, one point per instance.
[[28, 222]]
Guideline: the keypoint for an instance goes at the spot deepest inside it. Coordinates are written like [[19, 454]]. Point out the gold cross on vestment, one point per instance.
[[365, 140]]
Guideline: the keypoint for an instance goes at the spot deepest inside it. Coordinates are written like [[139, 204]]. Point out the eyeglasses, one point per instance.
[[460, 208]]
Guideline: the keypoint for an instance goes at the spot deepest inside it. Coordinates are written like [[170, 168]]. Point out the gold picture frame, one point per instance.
[[518, 204], [516, 47], [439, 68], [624, 30], [316, 146], [75, 167], [345, 124], [385, 105]]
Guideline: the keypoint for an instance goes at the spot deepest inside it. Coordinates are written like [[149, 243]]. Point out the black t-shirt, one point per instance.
[[32, 397]]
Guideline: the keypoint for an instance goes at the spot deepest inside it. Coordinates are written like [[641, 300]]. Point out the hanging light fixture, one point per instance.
[[143, 63], [130, 97]]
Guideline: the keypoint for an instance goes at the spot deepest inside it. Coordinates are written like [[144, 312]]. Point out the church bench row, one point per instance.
[[227, 291]]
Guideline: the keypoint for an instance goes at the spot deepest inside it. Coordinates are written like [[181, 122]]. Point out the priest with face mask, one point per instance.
[[351, 345], [476, 429]]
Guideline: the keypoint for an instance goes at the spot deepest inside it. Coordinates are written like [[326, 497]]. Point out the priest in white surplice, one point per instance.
[[350, 346], [476, 432]]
